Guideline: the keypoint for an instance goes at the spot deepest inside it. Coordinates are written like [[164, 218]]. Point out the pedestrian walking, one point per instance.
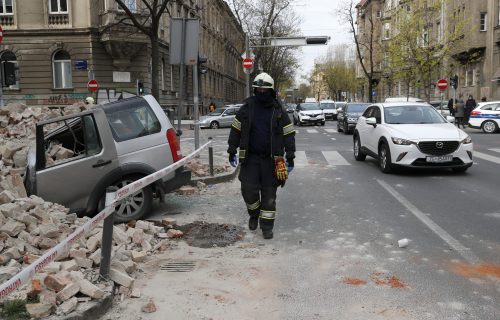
[[451, 107], [211, 107], [470, 105], [483, 99], [459, 113], [265, 137]]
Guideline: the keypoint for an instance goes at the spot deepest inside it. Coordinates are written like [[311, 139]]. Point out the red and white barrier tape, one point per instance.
[[27, 273]]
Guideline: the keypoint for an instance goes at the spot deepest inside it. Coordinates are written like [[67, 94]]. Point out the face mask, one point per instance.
[[264, 97]]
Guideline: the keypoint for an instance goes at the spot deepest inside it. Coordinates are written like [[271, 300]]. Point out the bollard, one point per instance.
[[107, 235], [211, 159]]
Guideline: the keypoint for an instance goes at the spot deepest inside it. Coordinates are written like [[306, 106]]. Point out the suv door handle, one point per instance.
[[101, 163]]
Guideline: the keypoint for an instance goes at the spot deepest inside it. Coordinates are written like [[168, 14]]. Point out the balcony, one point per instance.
[[59, 19], [7, 20]]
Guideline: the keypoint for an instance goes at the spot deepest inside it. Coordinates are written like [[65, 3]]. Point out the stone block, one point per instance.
[[53, 267], [90, 290], [80, 253], [47, 243], [6, 197], [119, 236], [69, 306], [68, 291], [128, 266], [30, 258], [12, 227], [84, 262], [25, 218], [120, 277], [7, 272], [55, 282], [141, 224], [138, 236], [186, 190], [94, 242], [139, 256], [9, 210], [39, 310], [48, 297], [172, 233], [96, 257], [49, 230], [70, 265], [146, 246], [13, 252]]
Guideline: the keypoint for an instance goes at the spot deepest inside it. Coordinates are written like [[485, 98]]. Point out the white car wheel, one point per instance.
[[489, 126]]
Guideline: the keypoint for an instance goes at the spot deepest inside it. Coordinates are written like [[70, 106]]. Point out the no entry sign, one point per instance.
[[93, 85], [442, 84], [1, 34], [248, 63]]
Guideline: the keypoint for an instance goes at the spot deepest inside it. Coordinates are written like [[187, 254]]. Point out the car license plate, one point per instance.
[[438, 159], [312, 118]]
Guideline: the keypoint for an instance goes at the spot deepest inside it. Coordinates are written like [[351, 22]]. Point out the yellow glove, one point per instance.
[[281, 171]]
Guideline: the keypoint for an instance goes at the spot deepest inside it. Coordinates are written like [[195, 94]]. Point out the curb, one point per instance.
[[225, 177]]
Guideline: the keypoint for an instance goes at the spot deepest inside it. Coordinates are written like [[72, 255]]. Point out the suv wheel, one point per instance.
[[134, 206], [214, 125], [384, 158], [489, 126], [358, 154]]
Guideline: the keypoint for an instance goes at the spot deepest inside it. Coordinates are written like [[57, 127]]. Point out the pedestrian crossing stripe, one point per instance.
[[495, 149], [486, 157], [312, 131], [333, 158], [331, 130]]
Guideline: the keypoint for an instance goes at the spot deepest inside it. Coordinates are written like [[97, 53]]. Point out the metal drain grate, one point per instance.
[[178, 266]]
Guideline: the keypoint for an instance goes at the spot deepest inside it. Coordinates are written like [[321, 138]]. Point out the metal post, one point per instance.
[[211, 159], [196, 108], [247, 75], [181, 74], [107, 235]]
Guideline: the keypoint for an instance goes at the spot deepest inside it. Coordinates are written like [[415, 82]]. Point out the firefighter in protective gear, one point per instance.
[[265, 137]]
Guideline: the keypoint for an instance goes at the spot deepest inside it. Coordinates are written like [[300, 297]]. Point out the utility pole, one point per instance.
[[196, 109], [181, 75], [247, 75]]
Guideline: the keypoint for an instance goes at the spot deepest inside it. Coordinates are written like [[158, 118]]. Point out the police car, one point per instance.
[[486, 116]]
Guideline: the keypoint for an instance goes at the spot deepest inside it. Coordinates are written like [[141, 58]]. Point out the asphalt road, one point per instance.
[[339, 222]]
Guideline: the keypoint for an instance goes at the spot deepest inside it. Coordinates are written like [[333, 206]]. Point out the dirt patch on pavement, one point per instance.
[[480, 270], [392, 281], [353, 281], [207, 235]]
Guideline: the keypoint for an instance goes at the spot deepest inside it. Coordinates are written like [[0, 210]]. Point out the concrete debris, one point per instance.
[[29, 226], [186, 190], [203, 170], [149, 308]]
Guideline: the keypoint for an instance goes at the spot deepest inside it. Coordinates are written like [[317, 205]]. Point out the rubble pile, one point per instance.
[[203, 170], [29, 226]]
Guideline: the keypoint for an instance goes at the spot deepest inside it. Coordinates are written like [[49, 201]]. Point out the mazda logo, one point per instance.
[[439, 145]]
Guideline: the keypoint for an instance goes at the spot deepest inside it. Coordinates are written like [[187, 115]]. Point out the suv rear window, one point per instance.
[[132, 121]]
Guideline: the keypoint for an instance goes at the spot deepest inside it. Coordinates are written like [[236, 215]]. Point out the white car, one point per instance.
[[403, 99], [411, 134], [308, 112], [486, 116], [329, 109]]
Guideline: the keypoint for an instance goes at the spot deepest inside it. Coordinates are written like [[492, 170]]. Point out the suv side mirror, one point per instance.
[[371, 121]]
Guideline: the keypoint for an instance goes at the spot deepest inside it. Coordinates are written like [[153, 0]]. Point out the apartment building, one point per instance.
[[60, 44], [475, 59]]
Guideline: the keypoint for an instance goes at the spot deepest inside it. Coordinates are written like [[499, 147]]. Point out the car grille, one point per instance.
[[421, 162], [314, 114], [438, 148]]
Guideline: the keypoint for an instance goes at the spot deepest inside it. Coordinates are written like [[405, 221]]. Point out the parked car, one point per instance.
[[290, 107], [486, 116], [220, 118], [403, 99], [76, 157], [348, 116], [310, 100], [441, 107], [329, 110], [410, 134]]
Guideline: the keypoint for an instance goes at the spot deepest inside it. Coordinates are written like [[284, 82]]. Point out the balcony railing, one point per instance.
[[58, 19], [6, 20]]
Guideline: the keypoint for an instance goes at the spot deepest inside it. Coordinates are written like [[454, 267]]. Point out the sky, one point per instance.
[[319, 18]]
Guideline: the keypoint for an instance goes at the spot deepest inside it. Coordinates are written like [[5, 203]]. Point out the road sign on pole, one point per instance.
[[93, 85], [1, 34], [442, 84], [248, 63]]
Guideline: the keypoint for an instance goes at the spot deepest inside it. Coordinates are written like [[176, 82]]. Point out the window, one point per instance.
[[61, 69], [482, 21], [130, 4], [6, 7], [58, 6], [387, 31], [9, 56], [132, 121]]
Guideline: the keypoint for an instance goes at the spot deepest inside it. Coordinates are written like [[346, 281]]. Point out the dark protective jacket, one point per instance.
[[282, 132]]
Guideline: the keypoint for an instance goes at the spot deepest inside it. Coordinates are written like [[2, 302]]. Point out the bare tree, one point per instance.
[[270, 18], [365, 44], [149, 24]]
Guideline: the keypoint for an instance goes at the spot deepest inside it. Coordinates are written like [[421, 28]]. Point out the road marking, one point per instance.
[[495, 149], [334, 158], [333, 139], [300, 159], [452, 242], [331, 130], [312, 131], [486, 157]]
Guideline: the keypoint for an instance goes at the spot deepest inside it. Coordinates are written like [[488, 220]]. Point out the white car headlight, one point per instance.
[[467, 140], [402, 142], [302, 114]]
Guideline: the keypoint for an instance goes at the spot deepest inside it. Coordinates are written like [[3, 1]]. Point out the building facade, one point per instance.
[[59, 45], [475, 58]]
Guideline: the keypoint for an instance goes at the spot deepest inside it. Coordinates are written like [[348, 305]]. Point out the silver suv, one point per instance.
[[220, 118], [77, 156]]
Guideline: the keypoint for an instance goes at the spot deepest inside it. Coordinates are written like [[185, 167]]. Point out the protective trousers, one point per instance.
[[258, 188]]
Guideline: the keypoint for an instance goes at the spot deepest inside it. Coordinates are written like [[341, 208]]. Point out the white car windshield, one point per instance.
[[329, 105], [310, 106], [412, 115]]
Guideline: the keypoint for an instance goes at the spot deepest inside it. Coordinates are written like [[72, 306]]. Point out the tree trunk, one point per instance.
[[155, 53]]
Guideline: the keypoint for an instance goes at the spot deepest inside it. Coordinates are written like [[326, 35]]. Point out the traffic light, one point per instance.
[[317, 40], [454, 81], [9, 74], [202, 64], [140, 88]]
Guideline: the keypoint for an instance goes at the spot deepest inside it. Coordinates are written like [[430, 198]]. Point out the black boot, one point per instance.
[[267, 234], [253, 223]]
